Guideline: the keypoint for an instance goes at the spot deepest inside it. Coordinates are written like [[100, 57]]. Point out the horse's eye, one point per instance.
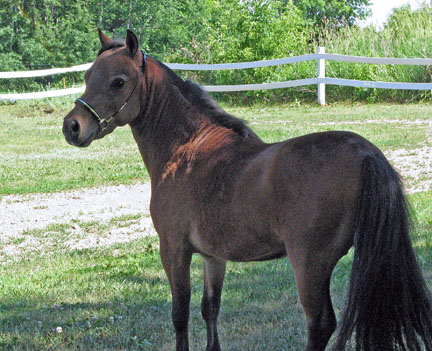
[[117, 83]]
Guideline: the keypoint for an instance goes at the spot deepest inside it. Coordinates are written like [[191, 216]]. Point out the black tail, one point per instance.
[[389, 306]]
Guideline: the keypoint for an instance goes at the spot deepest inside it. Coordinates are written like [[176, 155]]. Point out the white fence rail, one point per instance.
[[321, 80]]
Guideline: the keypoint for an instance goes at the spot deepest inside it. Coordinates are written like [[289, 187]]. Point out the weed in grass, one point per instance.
[[125, 220], [42, 207], [16, 241], [94, 227]]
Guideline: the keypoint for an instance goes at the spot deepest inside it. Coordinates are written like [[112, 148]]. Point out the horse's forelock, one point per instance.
[[116, 43]]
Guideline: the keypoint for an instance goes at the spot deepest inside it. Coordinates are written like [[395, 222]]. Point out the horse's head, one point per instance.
[[111, 98]]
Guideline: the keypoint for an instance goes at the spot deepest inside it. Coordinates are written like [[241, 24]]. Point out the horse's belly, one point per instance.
[[237, 244]]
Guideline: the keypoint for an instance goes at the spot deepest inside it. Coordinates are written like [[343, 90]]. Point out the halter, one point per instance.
[[103, 122]]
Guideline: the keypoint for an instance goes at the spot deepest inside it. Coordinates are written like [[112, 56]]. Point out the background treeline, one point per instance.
[[37, 34]]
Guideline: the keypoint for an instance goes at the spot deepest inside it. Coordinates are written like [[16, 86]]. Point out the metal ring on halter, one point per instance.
[[103, 122]]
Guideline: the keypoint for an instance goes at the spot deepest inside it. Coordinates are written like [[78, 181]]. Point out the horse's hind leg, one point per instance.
[[313, 285], [214, 273]]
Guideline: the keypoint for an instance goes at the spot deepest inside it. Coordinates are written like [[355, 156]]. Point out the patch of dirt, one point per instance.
[[22, 214], [403, 122], [415, 166]]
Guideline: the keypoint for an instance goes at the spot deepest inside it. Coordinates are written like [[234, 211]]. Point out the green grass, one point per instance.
[[34, 156], [371, 121]]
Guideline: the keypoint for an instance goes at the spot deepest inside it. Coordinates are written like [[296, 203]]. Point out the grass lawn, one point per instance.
[[36, 158], [117, 297]]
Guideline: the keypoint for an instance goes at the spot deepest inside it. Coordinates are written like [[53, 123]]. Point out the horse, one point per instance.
[[221, 192]]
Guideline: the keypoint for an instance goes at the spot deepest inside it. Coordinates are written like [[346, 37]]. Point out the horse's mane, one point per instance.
[[113, 44], [198, 97], [202, 100]]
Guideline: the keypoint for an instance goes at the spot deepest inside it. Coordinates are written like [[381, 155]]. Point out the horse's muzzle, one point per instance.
[[77, 130]]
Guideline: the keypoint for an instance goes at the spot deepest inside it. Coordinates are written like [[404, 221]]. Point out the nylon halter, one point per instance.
[[104, 121]]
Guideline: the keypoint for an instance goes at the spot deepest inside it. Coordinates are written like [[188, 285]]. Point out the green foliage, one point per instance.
[[44, 34], [53, 33], [239, 31], [335, 12], [161, 26]]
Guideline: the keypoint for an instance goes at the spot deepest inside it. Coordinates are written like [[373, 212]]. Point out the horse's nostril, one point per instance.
[[74, 127]]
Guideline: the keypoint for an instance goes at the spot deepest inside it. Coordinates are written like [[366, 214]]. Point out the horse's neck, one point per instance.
[[162, 126]]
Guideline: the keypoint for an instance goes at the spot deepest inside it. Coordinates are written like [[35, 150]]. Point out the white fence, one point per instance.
[[320, 80]]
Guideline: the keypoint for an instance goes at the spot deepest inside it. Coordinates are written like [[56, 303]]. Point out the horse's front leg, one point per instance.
[[176, 261], [214, 273]]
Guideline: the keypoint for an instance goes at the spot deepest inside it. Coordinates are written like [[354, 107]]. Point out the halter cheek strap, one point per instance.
[[103, 122]]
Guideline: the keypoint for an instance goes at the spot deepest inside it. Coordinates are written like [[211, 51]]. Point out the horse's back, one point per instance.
[[318, 163]]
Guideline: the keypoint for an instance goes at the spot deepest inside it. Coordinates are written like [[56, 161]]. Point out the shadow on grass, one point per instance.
[[85, 326], [123, 303]]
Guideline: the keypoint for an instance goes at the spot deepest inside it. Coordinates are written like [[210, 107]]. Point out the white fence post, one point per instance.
[[321, 74]]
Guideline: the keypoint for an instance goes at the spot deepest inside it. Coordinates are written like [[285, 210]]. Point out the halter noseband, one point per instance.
[[103, 122]]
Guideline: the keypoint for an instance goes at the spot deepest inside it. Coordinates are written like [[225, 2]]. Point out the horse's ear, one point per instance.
[[131, 43], [104, 39]]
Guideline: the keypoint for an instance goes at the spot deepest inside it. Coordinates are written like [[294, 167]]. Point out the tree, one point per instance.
[[161, 26], [45, 33], [251, 30], [337, 13]]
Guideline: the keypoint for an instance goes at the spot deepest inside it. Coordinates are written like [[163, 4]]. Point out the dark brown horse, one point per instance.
[[219, 191]]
